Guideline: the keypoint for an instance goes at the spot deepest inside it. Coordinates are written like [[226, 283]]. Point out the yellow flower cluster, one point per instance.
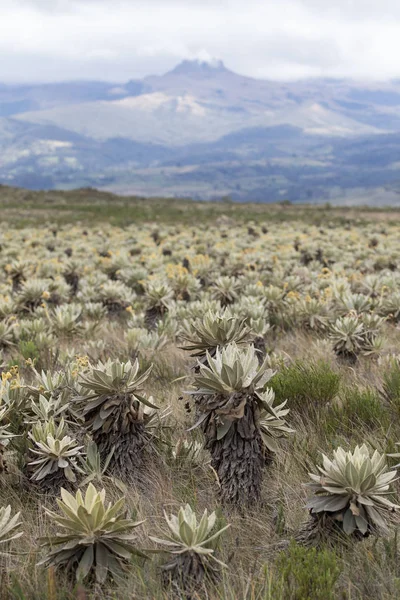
[[200, 263], [175, 271], [293, 295], [12, 376], [81, 363]]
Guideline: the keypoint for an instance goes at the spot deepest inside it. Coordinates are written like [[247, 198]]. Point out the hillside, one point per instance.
[[88, 206], [206, 132]]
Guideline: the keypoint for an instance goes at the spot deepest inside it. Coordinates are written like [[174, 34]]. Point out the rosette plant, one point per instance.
[[192, 546], [158, 297], [225, 289], [5, 436], [117, 415], [273, 425], [351, 495], [55, 456], [9, 529], [214, 330], [233, 409], [94, 540], [355, 334]]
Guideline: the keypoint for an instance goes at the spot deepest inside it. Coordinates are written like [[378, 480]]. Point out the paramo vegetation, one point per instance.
[[205, 410]]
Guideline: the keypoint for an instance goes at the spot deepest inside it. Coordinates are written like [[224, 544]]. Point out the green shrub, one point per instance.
[[306, 385], [358, 409], [307, 573], [391, 385], [29, 350]]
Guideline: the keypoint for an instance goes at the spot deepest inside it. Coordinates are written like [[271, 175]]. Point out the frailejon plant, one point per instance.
[[7, 334], [234, 415], [9, 529], [214, 330], [187, 453], [272, 422], [71, 274], [225, 289], [158, 296], [347, 335], [356, 334], [17, 271], [312, 313], [139, 341], [116, 297], [192, 545], [93, 467], [94, 540], [55, 456], [67, 320], [117, 414], [350, 496], [5, 436]]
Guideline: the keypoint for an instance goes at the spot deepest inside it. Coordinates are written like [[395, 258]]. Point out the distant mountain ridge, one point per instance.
[[205, 131]]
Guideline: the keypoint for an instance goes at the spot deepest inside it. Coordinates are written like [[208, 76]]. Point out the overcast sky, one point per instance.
[[117, 40]]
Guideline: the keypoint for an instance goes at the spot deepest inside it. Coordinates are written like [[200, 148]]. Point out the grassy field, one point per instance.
[[23, 208], [90, 281]]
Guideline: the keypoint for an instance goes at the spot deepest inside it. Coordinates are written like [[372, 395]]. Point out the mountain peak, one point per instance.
[[199, 66]]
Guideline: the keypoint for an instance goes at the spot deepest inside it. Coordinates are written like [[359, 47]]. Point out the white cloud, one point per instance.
[[122, 39]]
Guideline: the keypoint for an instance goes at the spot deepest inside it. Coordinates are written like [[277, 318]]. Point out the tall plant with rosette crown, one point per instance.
[[117, 414], [232, 408]]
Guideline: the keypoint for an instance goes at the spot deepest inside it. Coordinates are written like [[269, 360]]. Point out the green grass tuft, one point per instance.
[[306, 386]]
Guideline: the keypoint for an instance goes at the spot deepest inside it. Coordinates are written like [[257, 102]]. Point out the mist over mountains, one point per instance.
[[203, 131]]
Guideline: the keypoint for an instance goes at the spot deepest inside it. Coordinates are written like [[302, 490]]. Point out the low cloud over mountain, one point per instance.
[[205, 131]]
